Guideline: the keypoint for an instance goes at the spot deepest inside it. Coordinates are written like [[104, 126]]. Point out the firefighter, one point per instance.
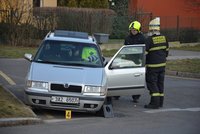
[[135, 37], [156, 52]]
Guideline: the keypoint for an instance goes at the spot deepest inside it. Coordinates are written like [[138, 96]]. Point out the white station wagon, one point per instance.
[[69, 72]]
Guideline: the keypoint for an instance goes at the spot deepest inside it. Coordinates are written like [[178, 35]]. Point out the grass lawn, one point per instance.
[[15, 52], [10, 107], [185, 65], [188, 48]]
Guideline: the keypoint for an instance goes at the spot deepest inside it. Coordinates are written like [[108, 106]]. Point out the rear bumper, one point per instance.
[[43, 99]]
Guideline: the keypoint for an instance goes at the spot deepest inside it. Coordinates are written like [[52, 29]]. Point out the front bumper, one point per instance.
[[43, 99]]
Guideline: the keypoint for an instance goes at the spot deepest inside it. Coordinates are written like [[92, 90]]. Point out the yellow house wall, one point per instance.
[[49, 3]]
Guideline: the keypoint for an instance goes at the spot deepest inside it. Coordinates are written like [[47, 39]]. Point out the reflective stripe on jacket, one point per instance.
[[156, 51]]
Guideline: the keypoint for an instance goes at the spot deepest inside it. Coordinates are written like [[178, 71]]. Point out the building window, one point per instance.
[[37, 3]]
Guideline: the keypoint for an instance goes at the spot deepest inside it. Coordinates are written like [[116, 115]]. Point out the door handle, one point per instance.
[[137, 75]]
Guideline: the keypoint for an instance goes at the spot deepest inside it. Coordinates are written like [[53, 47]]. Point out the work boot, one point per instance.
[[154, 103], [161, 101]]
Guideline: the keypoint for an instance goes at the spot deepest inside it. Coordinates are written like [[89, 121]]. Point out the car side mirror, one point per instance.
[[28, 57]]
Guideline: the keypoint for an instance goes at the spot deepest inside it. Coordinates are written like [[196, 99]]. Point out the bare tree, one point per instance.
[[19, 14], [19, 10]]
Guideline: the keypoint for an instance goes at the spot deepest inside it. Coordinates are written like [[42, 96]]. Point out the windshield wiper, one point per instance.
[[76, 64], [67, 64], [81, 65], [48, 62]]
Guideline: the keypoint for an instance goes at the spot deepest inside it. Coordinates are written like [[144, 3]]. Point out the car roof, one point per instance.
[[71, 36]]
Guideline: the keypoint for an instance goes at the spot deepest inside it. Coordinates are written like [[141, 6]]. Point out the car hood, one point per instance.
[[66, 74]]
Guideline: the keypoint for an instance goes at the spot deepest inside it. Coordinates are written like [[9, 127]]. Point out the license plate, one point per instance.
[[58, 99]]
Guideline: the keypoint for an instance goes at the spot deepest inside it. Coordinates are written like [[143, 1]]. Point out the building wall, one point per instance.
[[168, 7], [49, 3], [173, 13]]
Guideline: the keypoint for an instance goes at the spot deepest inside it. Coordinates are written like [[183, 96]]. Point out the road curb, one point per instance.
[[6, 122], [183, 74]]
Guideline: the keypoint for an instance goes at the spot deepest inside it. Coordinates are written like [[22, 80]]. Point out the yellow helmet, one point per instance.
[[135, 25], [155, 24]]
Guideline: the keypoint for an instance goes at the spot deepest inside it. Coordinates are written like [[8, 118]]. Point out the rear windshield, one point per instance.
[[69, 53]]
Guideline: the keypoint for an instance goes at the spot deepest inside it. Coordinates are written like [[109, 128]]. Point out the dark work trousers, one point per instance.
[[155, 80]]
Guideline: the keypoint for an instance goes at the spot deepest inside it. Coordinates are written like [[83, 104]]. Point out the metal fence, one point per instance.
[[184, 29], [176, 28]]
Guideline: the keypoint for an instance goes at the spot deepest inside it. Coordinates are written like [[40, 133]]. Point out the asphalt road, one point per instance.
[[180, 115]]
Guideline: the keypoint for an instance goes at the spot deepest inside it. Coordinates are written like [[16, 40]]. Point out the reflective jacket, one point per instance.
[[89, 54], [157, 48]]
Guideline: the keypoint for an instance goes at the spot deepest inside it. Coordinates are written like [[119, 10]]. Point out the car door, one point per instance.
[[126, 71]]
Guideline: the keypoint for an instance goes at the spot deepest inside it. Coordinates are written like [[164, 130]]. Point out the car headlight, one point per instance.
[[38, 84], [94, 90]]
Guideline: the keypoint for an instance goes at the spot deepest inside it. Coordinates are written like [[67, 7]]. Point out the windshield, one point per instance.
[[69, 53]]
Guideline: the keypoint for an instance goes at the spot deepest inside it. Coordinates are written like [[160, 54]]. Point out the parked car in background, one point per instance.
[[69, 72]]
